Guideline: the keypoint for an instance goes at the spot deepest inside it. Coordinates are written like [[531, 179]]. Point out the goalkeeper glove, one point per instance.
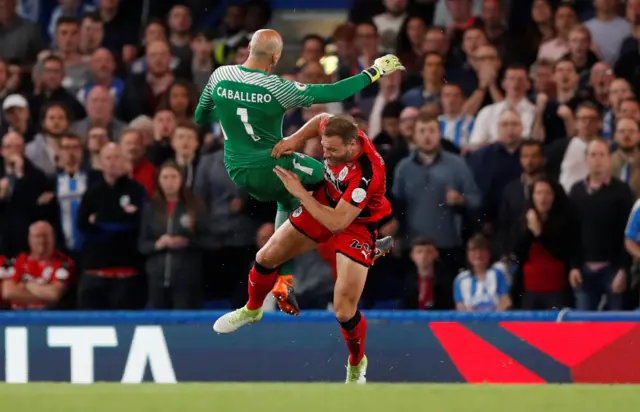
[[382, 66]]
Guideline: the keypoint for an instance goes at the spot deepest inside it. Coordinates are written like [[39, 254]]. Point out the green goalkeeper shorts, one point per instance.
[[263, 184]]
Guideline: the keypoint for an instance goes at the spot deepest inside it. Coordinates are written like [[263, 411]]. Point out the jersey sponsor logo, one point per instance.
[[300, 86], [297, 212], [358, 195], [243, 96]]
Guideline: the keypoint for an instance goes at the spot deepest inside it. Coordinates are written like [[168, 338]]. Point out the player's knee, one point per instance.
[[266, 257], [345, 309]]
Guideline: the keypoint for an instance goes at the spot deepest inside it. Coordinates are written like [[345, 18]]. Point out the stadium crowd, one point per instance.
[[511, 145]]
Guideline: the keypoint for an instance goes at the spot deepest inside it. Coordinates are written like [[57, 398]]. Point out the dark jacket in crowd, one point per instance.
[[110, 241], [602, 217], [61, 95], [494, 167], [20, 208], [179, 269]]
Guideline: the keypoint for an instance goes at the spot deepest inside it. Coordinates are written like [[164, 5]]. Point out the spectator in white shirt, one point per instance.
[[456, 125], [608, 30], [564, 20], [389, 23], [515, 84]]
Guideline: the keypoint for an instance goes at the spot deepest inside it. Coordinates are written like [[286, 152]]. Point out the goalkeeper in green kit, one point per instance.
[[250, 105]]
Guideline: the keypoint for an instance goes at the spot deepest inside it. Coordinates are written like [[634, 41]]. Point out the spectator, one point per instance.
[[564, 19], [181, 100], [456, 125], [20, 39], [515, 83], [480, 83], [97, 137], [410, 41], [579, 51], [566, 160], [109, 220], [140, 168], [449, 192], [625, 161], [390, 119], [492, 20], [202, 64], [68, 9], [619, 89], [435, 40], [389, 92], [390, 22], [17, 116], [119, 32], [630, 109], [49, 89], [443, 15], [174, 236], [232, 226], [367, 44], [426, 285], [21, 187], [180, 25], [43, 151], [496, 165], [38, 278], [608, 30], [70, 185], [183, 151], [91, 34], [600, 79], [164, 124], [541, 72], [432, 78], [462, 18], [76, 70], [103, 68], [516, 196], [545, 247], [481, 288], [601, 204], [100, 106], [143, 92], [313, 49], [144, 124], [4, 80], [155, 31]]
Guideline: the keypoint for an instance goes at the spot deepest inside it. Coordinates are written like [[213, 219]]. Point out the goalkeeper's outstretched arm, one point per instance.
[[310, 94]]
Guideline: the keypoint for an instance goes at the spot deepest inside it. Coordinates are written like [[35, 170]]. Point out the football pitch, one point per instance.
[[316, 397]]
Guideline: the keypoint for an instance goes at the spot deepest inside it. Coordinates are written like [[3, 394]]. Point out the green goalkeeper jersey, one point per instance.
[[250, 106]]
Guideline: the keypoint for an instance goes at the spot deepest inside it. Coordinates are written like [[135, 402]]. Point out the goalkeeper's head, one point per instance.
[[265, 48]]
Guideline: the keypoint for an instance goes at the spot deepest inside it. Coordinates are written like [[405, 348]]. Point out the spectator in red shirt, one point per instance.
[[38, 279], [545, 247], [140, 169], [426, 286]]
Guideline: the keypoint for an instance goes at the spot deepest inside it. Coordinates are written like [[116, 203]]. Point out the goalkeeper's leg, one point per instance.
[[283, 289]]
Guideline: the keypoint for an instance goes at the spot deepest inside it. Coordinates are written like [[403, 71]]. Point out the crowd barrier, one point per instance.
[[169, 347]]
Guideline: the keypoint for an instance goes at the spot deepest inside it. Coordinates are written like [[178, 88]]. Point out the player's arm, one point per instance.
[[292, 94], [310, 130], [336, 219]]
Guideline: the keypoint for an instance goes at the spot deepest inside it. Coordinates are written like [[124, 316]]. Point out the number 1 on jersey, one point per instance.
[[244, 117]]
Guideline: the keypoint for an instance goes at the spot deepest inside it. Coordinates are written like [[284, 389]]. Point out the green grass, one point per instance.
[[316, 397]]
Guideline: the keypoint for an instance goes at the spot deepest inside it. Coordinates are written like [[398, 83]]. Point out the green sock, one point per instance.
[[287, 267]]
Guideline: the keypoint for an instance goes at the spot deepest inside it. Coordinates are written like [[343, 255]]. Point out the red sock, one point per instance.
[[354, 332], [260, 284]]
